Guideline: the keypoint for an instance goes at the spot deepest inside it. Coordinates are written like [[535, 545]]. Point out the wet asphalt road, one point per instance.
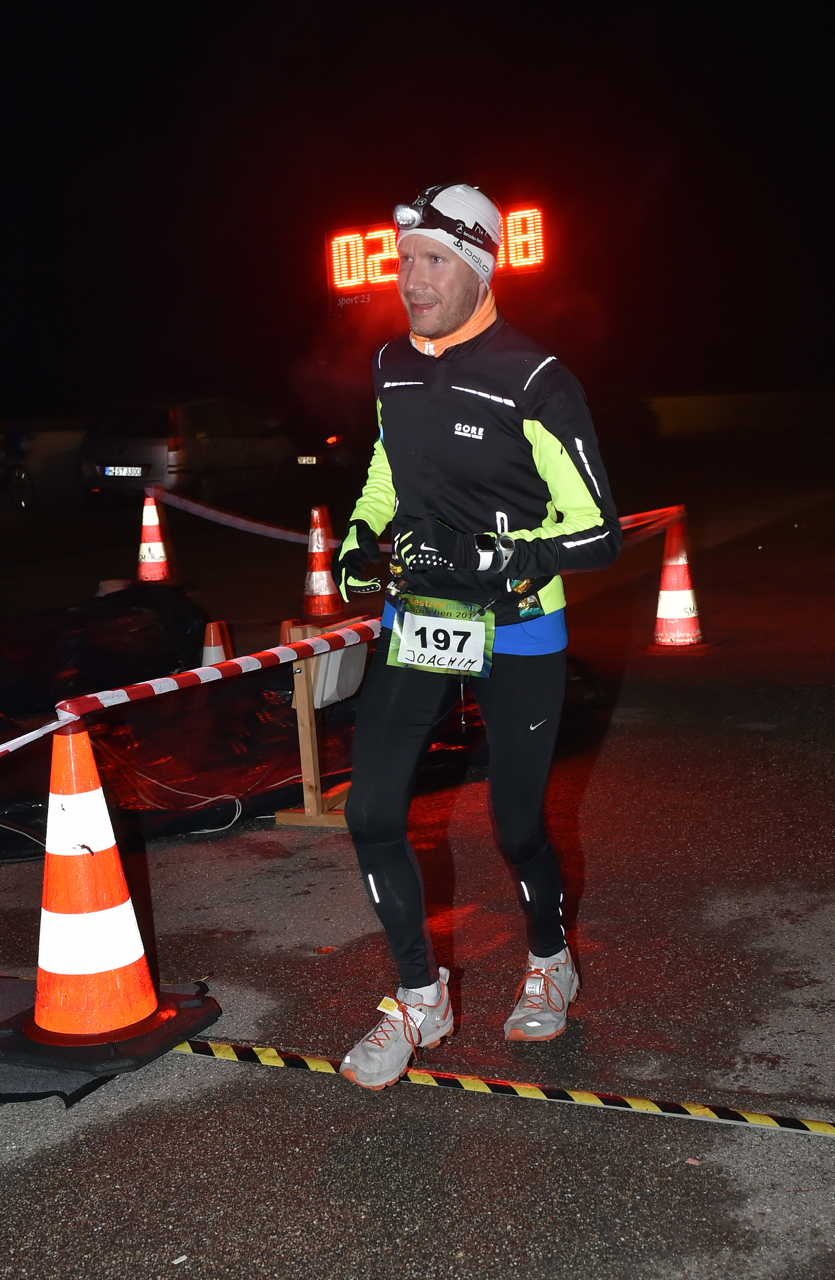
[[692, 802], [273, 1173]]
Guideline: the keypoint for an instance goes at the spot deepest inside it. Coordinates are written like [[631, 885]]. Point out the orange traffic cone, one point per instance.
[[216, 644], [677, 621], [153, 557], [322, 601], [96, 1008], [93, 977]]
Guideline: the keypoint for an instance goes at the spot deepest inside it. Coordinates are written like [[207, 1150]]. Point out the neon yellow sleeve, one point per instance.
[[580, 529], [376, 503]]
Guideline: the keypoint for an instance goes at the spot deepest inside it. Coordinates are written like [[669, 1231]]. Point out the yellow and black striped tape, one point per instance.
[[268, 1057]]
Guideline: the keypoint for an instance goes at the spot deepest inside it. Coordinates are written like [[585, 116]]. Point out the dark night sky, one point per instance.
[[170, 171]]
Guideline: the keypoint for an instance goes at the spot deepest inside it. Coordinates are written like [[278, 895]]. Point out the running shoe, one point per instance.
[[383, 1056], [542, 1000]]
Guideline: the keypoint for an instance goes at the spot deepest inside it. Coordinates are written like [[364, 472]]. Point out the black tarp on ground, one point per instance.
[[146, 630]]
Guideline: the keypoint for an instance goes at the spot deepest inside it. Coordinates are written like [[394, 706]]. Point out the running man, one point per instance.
[[488, 468]]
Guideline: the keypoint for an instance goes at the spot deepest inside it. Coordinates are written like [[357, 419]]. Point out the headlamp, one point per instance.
[[423, 213], [406, 217]]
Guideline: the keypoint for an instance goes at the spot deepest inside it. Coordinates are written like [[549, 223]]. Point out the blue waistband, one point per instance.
[[547, 634]]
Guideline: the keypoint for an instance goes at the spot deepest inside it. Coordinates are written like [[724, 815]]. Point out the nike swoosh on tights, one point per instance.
[[536, 726], [424, 547]]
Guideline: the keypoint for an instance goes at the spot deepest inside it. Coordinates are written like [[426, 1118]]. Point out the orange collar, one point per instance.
[[482, 320]]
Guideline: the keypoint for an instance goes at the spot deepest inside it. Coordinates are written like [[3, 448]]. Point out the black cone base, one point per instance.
[[193, 1014]]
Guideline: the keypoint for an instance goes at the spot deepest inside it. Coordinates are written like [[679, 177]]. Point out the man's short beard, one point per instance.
[[449, 321]]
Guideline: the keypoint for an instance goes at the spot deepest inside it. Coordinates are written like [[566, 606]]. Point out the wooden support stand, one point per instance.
[[321, 809]]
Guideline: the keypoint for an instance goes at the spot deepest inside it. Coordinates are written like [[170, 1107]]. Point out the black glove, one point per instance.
[[429, 544], [349, 560]]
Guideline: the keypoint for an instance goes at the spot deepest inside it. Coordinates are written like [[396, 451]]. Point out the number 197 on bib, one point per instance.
[[441, 644]]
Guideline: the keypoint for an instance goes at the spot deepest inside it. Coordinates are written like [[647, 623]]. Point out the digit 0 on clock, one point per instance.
[[363, 258]]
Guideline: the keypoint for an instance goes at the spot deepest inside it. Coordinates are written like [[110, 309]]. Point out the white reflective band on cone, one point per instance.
[[91, 942], [151, 552], [149, 515], [319, 583], [212, 654], [677, 604], [317, 540], [78, 824]]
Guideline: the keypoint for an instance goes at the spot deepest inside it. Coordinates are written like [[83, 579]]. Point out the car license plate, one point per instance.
[[123, 471], [306, 460]]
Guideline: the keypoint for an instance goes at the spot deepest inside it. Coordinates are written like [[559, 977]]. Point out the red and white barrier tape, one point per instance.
[[219, 516], [226, 517], [647, 523], [14, 743], [74, 708]]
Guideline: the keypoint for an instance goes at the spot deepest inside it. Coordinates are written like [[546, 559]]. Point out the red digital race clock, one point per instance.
[[361, 260]]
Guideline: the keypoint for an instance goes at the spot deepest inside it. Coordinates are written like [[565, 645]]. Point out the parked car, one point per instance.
[[335, 446], [198, 446], [323, 448]]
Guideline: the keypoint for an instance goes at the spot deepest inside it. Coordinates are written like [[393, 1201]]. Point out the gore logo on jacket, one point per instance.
[[472, 433]]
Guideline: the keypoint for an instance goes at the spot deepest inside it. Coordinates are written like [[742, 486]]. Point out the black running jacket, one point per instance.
[[492, 435]]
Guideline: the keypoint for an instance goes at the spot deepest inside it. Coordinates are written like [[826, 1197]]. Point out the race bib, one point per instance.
[[430, 634]]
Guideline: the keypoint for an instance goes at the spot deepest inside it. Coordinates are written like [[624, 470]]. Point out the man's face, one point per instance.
[[439, 291]]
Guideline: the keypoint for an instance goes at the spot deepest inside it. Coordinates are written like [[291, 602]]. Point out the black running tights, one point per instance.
[[520, 703]]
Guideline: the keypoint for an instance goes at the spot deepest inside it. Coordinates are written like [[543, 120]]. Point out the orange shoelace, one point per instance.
[[387, 1028], [533, 1002]]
